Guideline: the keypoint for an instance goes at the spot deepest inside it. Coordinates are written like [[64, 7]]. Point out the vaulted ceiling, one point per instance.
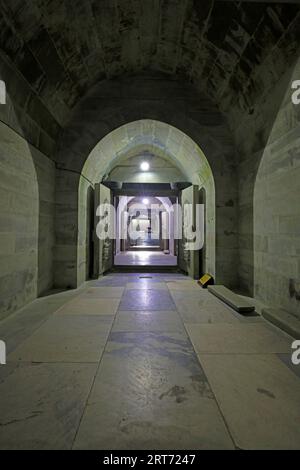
[[63, 47]]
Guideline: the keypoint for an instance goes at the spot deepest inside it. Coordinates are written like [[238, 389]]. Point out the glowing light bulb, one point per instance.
[[145, 166]]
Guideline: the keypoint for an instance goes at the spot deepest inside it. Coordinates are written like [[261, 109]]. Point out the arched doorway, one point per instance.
[[103, 116], [176, 161], [144, 231]]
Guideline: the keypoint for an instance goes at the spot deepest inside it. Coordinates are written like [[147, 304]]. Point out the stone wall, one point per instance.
[[85, 240], [235, 55], [25, 112], [45, 170], [208, 197], [268, 144], [277, 211], [66, 228], [26, 221], [27, 183]]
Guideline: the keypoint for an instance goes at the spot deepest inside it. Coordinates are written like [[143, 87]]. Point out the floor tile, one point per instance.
[[259, 398], [252, 317], [202, 296], [111, 281], [237, 338], [286, 359], [103, 292], [150, 390], [151, 276], [145, 284], [208, 315], [146, 300], [189, 302], [161, 398], [127, 274], [162, 321], [41, 404], [183, 285], [90, 307], [16, 328], [66, 339], [145, 258], [195, 311], [202, 308], [175, 277]]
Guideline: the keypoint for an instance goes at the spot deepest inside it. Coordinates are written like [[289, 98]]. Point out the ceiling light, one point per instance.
[[145, 166]]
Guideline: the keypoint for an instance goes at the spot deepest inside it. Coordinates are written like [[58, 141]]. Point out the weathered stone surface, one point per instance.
[[27, 221], [283, 320], [219, 71], [220, 45], [233, 300], [196, 149]]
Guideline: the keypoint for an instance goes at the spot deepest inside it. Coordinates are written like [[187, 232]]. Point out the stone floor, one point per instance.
[[145, 361], [145, 258]]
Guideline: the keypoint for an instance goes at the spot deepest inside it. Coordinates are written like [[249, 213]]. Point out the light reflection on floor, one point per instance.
[[145, 258]]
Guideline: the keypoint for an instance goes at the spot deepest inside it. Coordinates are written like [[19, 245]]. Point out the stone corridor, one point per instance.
[[145, 361]]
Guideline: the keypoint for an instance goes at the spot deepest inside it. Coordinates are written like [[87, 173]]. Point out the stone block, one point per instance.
[[233, 300], [283, 320]]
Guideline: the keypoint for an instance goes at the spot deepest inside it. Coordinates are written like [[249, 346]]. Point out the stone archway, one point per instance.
[[98, 116], [161, 139]]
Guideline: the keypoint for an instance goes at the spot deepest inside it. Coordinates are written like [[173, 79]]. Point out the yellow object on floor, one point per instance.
[[206, 280]]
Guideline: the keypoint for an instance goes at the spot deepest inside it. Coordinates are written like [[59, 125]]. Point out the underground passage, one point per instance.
[[149, 225]]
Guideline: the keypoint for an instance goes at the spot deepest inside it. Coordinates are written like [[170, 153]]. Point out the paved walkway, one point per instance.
[[145, 258], [135, 361]]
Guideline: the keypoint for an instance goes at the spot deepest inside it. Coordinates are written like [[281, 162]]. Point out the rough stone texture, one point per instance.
[[85, 238], [219, 45], [233, 300], [217, 70], [277, 211], [66, 231], [145, 379], [154, 138], [24, 112], [19, 222], [206, 140], [45, 171], [162, 170], [269, 198], [27, 224], [283, 320]]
